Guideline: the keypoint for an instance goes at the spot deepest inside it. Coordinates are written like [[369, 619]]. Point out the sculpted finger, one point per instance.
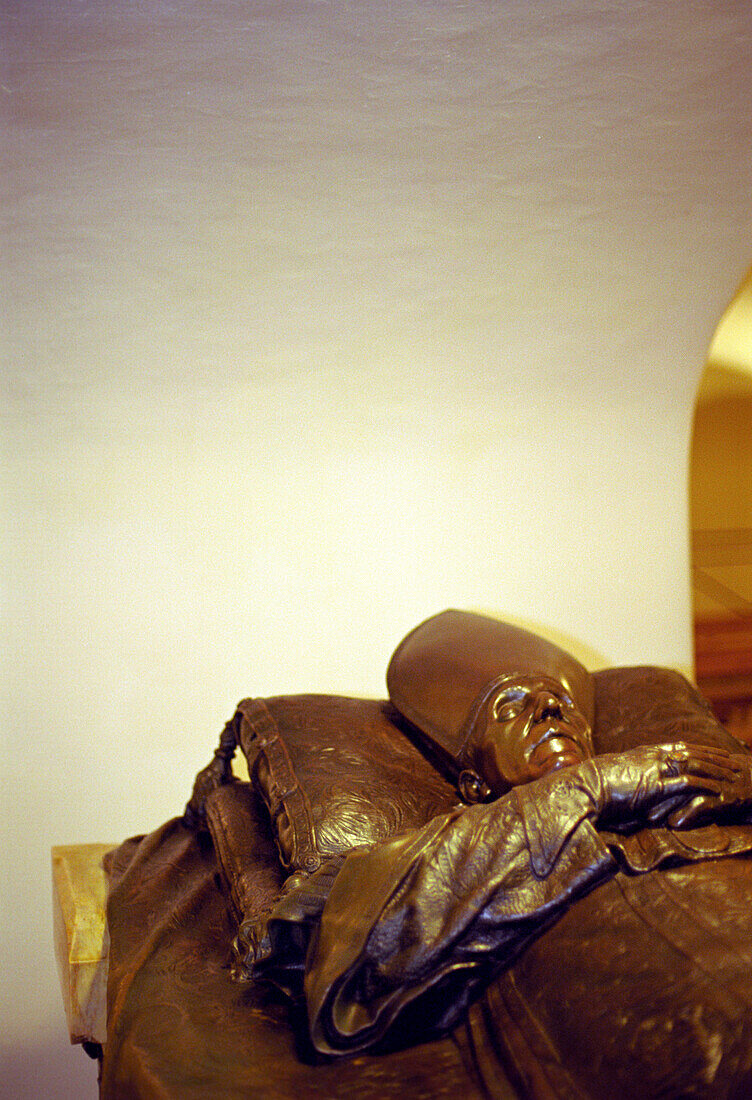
[[696, 756], [715, 752], [716, 756], [692, 813], [678, 760], [690, 785], [708, 783], [712, 769], [678, 750], [667, 808]]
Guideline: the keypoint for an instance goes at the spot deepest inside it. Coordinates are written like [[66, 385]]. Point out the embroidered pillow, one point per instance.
[[336, 773], [653, 706]]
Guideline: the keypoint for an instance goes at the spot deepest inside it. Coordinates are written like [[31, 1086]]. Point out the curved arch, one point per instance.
[[721, 518]]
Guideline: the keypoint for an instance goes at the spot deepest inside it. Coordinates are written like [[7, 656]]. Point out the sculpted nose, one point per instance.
[[547, 706]]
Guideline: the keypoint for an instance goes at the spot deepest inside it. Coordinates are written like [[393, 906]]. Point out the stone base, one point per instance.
[[79, 894]]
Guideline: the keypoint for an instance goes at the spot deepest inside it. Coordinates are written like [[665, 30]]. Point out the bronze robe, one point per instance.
[[407, 933], [404, 937]]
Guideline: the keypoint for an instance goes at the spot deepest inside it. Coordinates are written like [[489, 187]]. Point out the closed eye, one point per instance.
[[505, 709]]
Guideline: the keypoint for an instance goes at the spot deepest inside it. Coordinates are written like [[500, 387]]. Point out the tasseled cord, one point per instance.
[[216, 774]]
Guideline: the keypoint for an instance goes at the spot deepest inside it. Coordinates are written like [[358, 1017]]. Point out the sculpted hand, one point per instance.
[[656, 784], [732, 802]]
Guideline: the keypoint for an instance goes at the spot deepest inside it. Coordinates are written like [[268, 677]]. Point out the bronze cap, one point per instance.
[[444, 671]]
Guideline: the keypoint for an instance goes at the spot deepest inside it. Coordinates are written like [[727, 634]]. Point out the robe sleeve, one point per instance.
[[399, 938]]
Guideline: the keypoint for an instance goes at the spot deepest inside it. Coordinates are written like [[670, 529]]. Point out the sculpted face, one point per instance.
[[532, 727]]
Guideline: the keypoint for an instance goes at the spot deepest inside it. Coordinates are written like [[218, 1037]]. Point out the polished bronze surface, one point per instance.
[[582, 930], [441, 675], [528, 726]]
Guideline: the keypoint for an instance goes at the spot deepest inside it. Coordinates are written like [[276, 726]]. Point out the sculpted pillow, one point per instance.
[[653, 706], [336, 773]]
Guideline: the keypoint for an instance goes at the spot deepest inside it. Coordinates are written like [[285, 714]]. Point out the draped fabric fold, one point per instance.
[[393, 942], [412, 929]]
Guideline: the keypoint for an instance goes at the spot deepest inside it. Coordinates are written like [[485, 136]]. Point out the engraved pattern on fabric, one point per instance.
[[178, 1028], [668, 951], [646, 705], [414, 928], [288, 803], [346, 766], [237, 824]]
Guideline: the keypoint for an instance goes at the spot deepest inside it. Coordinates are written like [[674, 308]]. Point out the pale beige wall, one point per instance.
[[322, 318]]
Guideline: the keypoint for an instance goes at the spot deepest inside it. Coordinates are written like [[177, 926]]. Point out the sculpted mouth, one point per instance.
[[559, 740]]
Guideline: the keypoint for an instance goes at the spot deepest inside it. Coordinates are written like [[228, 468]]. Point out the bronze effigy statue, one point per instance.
[[576, 926]]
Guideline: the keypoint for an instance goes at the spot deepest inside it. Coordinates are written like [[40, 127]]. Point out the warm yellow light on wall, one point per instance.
[[721, 510], [731, 349]]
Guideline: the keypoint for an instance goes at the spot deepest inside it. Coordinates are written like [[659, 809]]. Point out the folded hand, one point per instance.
[[675, 784]]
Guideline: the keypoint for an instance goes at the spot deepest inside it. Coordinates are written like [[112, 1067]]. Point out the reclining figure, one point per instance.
[[513, 854]]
